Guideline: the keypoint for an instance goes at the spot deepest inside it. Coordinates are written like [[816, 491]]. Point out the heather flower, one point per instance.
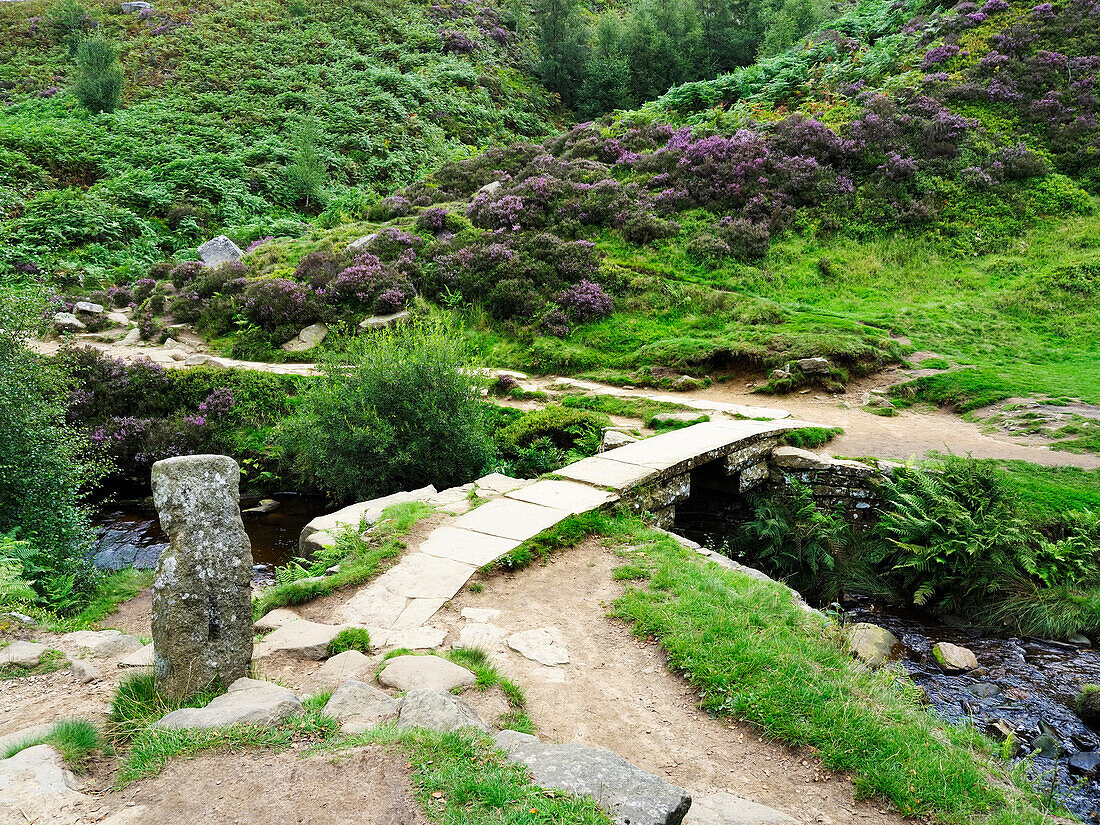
[[939, 54], [1043, 11], [432, 220], [258, 243], [218, 403], [390, 301], [585, 301], [993, 6]]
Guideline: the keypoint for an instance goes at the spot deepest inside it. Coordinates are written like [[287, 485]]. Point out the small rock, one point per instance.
[[103, 643], [358, 706], [349, 665], [679, 417], [499, 484], [1085, 764], [871, 644], [21, 618], [1046, 745], [685, 383], [410, 638], [1079, 640], [480, 634], [67, 322], [308, 338], [35, 772], [275, 619], [248, 702], [131, 338], [383, 321], [265, 505], [118, 318], [999, 730], [727, 809], [84, 671], [300, 639], [22, 654], [139, 658], [489, 188], [613, 439], [544, 645], [88, 308], [433, 710], [134, 6], [425, 673], [360, 244], [480, 615], [813, 366], [953, 658], [200, 359], [219, 250], [633, 796], [984, 690]]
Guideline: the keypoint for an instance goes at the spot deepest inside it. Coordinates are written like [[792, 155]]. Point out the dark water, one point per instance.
[[130, 534], [1035, 683]]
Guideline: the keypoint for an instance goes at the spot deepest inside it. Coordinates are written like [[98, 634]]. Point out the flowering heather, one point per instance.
[[271, 303], [586, 301], [258, 243], [432, 220], [218, 403], [456, 42], [939, 54], [390, 301]]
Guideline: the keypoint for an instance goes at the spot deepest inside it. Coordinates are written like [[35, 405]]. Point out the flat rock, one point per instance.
[[953, 658], [88, 308], [307, 338], [84, 671], [499, 484], [410, 638], [466, 546], [143, 657], [510, 519], [476, 615], [544, 645], [1085, 764], [275, 619], [202, 360], [383, 321], [35, 771], [131, 338], [631, 795], [568, 496], [420, 576], [349, 665], [103, 643], [984, 690], [432, 710], [23, 734], [727, 809], [300, 639], [604, 471], [481, 634], [358, 706], [679, 417], [248, 702], [424, 673], [219, 250], [613, 439], [871, 644], [67, 322], [22, 654]]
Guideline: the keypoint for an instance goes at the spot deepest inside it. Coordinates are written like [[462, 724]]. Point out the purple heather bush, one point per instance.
[[275, 303], [432, 220], [585, 301]]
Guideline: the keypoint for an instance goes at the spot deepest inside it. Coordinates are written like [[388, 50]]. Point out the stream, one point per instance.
[[130, 534], [1030, 684]]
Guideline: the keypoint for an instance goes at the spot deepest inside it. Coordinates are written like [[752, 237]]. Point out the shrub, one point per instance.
[[350, 638], [586, 301], [565, 428], [395, 411], [98, 80]]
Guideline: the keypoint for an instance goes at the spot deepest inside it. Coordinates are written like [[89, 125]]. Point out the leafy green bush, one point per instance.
[[394, 411], [543, 440], [350, 638], [98, 81]]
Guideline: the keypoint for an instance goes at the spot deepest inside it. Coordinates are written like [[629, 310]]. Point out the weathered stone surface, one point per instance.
[[23, 735], [301, 639], [498, 484], [544, 645], [88, 308], [752, 477], [360, 244], [134, 6], [383, 321], [954, 659], [103, 643], [275, 619], [32, 772], [356, 516], [631, 795], [67, 322], [247, 702], [424, 673], [308, 338], [118, 318], [437, 711], [142, 657], [219, 250], [22, 654], [84, 671], [132, 338], [490, 188], [680, 417], [567, 496], [351, 664], [510, 519], [410, 638], [1085, 764], [203, 360], [480, 634], [613, 439], [1047, 746], [358, 706], [794, 458], [871, 644], [476, 615], [984, 690], [466, 546], [727, 809], [813, 366], [420, 576], [202, 606], [1087, 705], [659, 494], [603, 471]]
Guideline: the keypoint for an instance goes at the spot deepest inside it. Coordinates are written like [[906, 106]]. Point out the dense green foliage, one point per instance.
[[98, 81], [45, 467], [396, 410]]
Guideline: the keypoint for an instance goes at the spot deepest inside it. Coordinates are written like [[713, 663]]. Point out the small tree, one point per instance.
[[98, 82], [307, 173]]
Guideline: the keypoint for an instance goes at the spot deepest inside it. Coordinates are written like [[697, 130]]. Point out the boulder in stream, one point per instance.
[[1088, 705], [871, 644], [953, 658]]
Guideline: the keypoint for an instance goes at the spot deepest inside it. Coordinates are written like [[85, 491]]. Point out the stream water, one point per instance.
[[1030, 684], [130, 535]]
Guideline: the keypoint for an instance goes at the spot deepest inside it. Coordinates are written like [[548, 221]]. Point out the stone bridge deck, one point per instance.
[[651, 475]]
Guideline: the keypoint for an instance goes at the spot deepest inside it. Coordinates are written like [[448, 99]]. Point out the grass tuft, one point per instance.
[[77, 740]]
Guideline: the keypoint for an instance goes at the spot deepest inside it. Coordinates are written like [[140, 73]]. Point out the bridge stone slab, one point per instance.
[[466, 546], [564, 495], [510, 519]]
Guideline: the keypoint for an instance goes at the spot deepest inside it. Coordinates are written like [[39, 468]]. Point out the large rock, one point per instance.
[[1085, 764], [202, 605], [814, 366], [953, 658], [358, 706], [275, 619], [219, 250], [727, 809], [22, 654], [105, 644], [35, 772], [544, 645], [308, 338], [442, 712], [631, 795], [247, 702], [67, 322], [301, 639], [871, 644], [424, 673], [351, 665]]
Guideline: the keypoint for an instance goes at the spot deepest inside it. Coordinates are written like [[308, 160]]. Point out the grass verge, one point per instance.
[[51, 660], [463, 778], [810, 438], [359, 558], [754, 655], [77, 740]]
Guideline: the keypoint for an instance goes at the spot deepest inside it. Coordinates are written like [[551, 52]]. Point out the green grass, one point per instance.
[[753, 655], [489, 676], [112, 589], [77, 740], [350, 638], [810, 438], [359, 559], [642, 409], [461, 778], [565, 533], [1049, 492], [52, 660]]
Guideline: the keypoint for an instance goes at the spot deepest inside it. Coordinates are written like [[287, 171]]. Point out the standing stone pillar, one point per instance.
[[202, 606]]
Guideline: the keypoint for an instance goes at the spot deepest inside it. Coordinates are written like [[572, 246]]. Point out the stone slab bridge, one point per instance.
[[652, 476]]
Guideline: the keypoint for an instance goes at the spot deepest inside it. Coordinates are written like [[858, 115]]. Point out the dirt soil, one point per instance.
[[616, 692], [363, 786]]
